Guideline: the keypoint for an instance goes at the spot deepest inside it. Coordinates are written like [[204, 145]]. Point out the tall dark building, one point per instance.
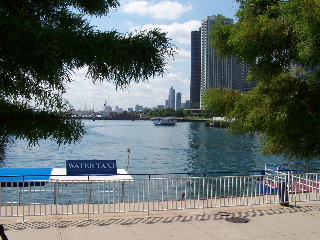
[[195, 78], [178, 100]]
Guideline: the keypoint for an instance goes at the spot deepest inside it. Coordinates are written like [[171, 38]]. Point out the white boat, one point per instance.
[[165, 121]]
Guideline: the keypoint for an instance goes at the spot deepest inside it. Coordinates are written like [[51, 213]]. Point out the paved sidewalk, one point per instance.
[[263, 222]]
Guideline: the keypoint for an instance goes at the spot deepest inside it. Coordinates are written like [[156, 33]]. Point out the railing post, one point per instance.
[[89, 196], [203, 182], [149, 197], [19, 200], [55, 192], [283, 190], [123, 192]]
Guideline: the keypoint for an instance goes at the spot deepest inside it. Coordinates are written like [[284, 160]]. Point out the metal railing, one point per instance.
[[292, 180], [26, 198]]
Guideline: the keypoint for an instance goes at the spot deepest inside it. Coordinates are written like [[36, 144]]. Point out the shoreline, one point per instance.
[[140, 119]]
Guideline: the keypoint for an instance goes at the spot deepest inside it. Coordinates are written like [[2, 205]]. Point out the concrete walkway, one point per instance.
[[262, 222]]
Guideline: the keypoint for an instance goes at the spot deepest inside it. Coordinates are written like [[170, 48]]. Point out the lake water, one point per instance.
[[186, 147]]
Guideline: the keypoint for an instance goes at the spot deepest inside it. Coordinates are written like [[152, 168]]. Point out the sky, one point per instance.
[[175, 17]]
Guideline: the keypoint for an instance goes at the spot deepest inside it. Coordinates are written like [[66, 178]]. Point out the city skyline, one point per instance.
[[175, 97], [178, 19]]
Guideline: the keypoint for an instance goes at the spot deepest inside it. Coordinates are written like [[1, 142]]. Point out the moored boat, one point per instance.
[[168, 121]]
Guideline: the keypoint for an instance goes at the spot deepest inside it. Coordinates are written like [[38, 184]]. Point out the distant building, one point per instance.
[[108, 109], [160, 107], [138, 108], [172, 98], [187, 105], [247, 86], [118, 110], [130, 109], [166, 105], [178, 100]]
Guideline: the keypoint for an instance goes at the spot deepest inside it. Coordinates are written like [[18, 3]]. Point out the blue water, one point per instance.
[[186, 147]]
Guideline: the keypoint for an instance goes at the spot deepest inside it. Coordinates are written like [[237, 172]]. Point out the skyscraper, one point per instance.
[[172, 98], [195, 78], [216, 72], [178, 100]]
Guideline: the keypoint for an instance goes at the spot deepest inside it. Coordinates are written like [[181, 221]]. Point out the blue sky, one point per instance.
[[176, 17]]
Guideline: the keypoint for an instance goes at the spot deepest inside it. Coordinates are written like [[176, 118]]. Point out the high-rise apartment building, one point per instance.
[[215, 72], [178, 100]]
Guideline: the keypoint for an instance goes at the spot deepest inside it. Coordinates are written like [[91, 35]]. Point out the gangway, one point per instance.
[[294, 180]]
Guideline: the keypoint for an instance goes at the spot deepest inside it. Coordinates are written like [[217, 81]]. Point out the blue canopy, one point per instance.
[[18, 177]]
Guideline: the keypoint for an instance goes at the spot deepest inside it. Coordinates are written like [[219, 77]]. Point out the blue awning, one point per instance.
[[24, 176]]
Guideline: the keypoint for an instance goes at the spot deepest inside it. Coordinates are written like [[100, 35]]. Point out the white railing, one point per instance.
[[154, 194], [295, 181]]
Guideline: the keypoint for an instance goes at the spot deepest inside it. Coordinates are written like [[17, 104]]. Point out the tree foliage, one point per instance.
[[286, 111], [280, 40], [163, 112], [220, 101], [180, 112], [43, 42]]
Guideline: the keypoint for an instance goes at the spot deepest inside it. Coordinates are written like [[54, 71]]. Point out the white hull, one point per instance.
[[165, 121]]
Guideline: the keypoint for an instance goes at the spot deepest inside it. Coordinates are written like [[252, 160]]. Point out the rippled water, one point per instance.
[[186, 147]]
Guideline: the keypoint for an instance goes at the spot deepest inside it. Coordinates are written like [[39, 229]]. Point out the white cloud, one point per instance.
[[83, 94], [179, 32], [183, 56], [168, 10], [172, 77]]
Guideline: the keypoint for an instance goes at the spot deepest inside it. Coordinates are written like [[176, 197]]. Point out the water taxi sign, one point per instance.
[[91, 167]]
